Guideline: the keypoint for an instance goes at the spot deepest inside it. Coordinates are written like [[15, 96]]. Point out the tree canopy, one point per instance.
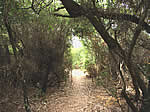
[[114, 32]]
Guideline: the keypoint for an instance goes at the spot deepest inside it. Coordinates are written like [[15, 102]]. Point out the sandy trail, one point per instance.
[[79, 96]]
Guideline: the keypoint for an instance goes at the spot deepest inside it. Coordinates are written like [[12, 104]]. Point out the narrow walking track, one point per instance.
[[80, 95]]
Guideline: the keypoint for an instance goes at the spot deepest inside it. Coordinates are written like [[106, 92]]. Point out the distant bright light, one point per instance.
[[76, 42], [78, 73]]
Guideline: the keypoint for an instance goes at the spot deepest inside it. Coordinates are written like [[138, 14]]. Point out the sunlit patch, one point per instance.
[[76, 42], [78, 73]]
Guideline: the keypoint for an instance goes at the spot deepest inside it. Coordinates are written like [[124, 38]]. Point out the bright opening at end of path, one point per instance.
[[78, 73], [76, 42]]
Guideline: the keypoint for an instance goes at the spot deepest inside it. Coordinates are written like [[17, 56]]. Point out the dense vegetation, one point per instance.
[[81, 58], [35, 47]]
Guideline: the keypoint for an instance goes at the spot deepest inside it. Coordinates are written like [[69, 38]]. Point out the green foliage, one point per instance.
[[81, 57], [77, 57]]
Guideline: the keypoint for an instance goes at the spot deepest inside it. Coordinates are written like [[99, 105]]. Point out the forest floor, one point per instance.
[[78, 95]]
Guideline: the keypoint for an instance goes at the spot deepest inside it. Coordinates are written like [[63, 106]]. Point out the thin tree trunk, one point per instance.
[[8, 27], [7, 54], [11, 38], [25, 96]]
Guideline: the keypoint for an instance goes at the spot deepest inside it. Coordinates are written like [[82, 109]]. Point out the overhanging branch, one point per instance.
[[34, 6], [119, 16], [76, 10], [137, 31], [60, 15]]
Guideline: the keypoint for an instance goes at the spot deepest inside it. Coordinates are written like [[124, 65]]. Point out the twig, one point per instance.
[[59, 8], [60, 15]]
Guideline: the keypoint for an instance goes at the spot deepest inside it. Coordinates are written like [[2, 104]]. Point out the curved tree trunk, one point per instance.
[[76, 10]]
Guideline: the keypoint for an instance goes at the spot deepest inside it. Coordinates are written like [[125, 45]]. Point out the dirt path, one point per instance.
[[79, 96]]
